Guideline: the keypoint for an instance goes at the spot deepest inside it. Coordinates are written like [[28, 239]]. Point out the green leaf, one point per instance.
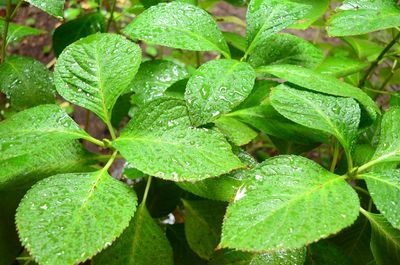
[[334, 115], [216, 88], [17, 32], [94, 71], [236, 40], [160, 142], [286, 49], [280, 257], [236, 131], [76, 29], [52, 7], [178, 25], [266, 17], [273, 211], [153, 79], [385, 240], [356, 17], [203, 222], [365, 49], [258, 95], [384, 188], [26, 82], [36, 128], [340, 66], [318, 9], [326, 253], [66, 219], [142, 243], [321, 83]]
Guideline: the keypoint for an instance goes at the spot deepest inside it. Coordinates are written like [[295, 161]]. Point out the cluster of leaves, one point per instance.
[[192, 134]]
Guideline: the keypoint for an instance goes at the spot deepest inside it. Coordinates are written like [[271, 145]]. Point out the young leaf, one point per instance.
[[384, 188], [216, 88], [142, 243], [321, 83], [35, 128], [153, 79], [52, 7], [286, 49], [291, 201], [356, 17], [236, 131], [334, 115], [76, 29], [66, 219], [94, 71], [26, 82], [160, 142], [203, 222], [17, 32], [178, 25], [385, 240], [266, 17]]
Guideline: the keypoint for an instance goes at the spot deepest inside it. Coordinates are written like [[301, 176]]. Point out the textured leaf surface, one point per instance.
[[203, 221], [266, 17], [356, 17], [385, 240], [337, 116], [321, 83], [153, 79], [286, 49], [236, 131], [280, 257], [76, 29], [26, 82], [317, 10], [52, 7], [160, 142], [35, 128], [273, 211], [94, 71], [384, 188], [17, 32], [216, 88], [178, 25], [66, 219], [340, 66], [142, 243]]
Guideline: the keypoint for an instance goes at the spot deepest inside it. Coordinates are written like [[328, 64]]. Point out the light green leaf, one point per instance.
[[160, 142], [384, 188], [340, 66], [318, 9], [142, 243], [334, 115], [280, 257], [321, 83], [36, 128], [356, 17], [273, 210], [286, 49], [364, 48], [203, 222], [216, 88], [94, 71], [153, 79], [178, 25], [266, 17], [66, 219], [236, 131], [26, 82], [17, 32], [52, 7], [385, 240], [236, 40]]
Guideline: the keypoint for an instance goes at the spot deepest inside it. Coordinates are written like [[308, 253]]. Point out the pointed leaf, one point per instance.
[[236, 131], [160, 142], [217, 87], [26, 82], [66, 219], [356, 17], [94, 71], [178, 25], [17, 32], [337, 116], [340, 66], [273, 210], [52, 7], [142, 243], [318, 9]]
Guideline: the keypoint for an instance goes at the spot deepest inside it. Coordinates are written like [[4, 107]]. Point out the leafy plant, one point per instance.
[[261, 148]]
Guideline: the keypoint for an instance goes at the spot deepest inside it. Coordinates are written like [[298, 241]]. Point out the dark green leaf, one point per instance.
[[326, 253]]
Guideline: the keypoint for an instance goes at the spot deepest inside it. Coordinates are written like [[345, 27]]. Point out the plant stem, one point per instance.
[[94, 140], [9, 16], [110, 161], [146, 191], [376, 62], [361, 190], [113, 4], [335, 156], [111, 130]]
